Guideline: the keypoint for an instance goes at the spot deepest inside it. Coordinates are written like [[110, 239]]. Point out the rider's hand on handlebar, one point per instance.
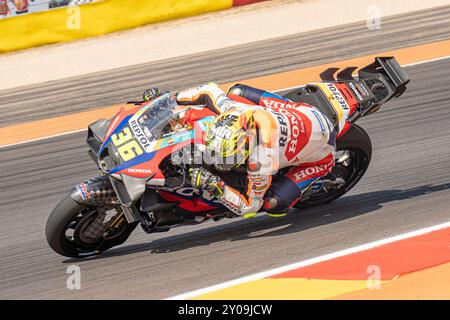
[[203, 179]]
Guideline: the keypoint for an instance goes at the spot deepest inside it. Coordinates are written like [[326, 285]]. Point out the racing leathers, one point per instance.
[[294, 135]]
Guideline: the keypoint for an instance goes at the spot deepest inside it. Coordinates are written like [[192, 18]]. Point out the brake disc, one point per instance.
[[92, 228]]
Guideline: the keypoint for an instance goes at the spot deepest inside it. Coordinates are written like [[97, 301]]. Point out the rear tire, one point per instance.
[[357, 142]]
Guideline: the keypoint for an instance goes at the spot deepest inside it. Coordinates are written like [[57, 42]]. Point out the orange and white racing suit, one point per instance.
[[290, 134]]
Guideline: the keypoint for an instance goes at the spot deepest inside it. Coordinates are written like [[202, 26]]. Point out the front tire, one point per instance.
[[69, 214]]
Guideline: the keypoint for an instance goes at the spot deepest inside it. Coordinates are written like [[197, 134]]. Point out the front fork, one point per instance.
[[99, 191]]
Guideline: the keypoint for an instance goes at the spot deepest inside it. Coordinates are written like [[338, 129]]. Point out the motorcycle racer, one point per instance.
[[260, 151], [263, 133]]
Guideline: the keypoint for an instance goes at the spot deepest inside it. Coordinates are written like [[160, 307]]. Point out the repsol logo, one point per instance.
[[140, 136], [283, 126], [338, 96]]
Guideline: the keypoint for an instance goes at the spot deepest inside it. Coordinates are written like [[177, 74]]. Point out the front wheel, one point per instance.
[[354, 151], [78, 230]]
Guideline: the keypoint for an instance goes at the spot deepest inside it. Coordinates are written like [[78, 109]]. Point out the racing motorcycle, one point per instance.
[[145, 152]]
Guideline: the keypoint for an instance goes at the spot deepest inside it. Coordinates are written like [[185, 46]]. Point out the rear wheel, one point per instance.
[[354, 151], [77, 230]]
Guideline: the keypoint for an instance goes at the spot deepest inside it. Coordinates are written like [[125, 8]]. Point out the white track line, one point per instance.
[[309, 262], [42, 138], [425, 61], [279, 90], [403, 65]]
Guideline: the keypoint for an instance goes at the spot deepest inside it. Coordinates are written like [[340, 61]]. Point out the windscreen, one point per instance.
[[158, 116]]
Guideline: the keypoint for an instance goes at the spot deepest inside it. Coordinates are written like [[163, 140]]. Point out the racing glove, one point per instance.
[[203, 179]]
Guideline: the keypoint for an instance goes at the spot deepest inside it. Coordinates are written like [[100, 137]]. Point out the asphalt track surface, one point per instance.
[[407, 187], [242, 62]]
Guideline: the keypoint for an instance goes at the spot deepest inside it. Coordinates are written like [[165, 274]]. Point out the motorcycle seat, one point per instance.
[[313, 96]]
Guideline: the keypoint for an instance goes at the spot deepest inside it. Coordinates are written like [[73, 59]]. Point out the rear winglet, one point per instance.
[[389, 72]]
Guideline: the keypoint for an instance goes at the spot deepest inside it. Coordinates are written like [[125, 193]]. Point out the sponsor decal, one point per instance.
[[362, 89], [222, 100], [236, 208], [298, 137], [355, 90], [259, 182], [293, 133], [82, 188], [140, 136], [338, 96], [139, 170], [311, 172], [259, 188], [271, 103], [283, 126], [190, 192], [148, 133], [291, 123]]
